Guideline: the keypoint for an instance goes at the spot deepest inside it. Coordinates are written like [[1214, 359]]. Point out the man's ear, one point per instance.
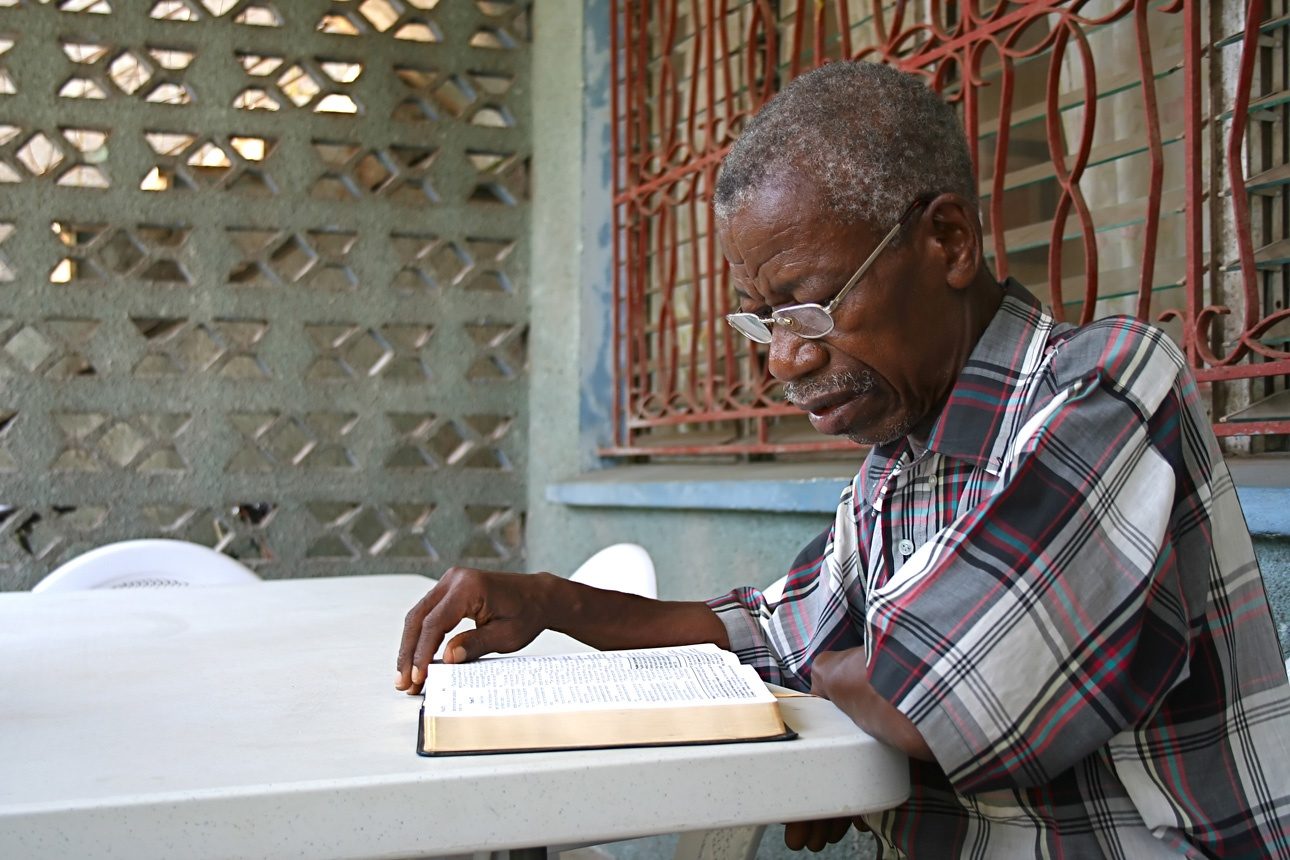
[[956, 234]]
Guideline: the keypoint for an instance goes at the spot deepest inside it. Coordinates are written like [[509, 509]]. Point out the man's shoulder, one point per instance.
[[1122, 351]]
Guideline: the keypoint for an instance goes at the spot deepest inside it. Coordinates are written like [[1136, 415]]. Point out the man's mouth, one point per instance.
[[820, 396], [827, 403]]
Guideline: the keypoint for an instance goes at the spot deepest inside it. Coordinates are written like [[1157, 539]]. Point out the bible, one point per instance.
[[688, 694]]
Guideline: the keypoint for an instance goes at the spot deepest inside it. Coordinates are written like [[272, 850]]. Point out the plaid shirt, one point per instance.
[[1061, 593]]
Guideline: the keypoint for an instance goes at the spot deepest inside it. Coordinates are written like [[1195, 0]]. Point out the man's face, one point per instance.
[[889, 363]]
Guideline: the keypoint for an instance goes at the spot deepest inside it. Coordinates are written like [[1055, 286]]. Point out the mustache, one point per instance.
[[801, 391]]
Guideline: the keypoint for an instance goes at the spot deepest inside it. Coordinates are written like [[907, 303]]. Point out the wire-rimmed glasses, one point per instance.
[[812, 320]]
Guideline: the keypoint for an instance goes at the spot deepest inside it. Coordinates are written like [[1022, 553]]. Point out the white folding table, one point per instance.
[[261, 721]]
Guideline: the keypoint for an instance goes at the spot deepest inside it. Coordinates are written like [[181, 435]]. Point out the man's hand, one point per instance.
[[509, 611], [843, 678], [815, 835]]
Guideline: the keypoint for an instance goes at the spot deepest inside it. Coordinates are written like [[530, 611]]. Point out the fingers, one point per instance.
[[418, 626], [835, 829], [408, 642], [472, 644], [815, 835], [796, 834], [434, 627], [495, 601]]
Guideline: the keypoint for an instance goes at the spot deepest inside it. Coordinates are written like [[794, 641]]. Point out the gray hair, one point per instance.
[[871, 138]]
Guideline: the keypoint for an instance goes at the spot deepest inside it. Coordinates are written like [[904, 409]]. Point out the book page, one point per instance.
[[696, 675]]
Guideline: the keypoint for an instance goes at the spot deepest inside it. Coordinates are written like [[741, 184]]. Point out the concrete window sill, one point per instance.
[[1263, 485], [788, 487]]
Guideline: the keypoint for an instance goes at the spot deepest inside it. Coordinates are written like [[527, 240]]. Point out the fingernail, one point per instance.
[[459, 654], [416, 674], [398, 680]]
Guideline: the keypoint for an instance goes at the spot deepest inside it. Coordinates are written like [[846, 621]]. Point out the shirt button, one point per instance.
[[931, 480], [906, 548]]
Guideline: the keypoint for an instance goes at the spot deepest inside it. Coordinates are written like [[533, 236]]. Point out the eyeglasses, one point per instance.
[[813, 321]]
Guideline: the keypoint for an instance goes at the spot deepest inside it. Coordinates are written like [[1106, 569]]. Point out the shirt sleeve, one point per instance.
[[1049, 617], [818, 606]]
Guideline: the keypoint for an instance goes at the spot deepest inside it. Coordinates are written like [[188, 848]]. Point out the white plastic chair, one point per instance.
[[146, 564], [623, 567]]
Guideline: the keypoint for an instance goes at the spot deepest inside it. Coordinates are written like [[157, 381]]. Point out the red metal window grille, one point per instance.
[[1108, 138]]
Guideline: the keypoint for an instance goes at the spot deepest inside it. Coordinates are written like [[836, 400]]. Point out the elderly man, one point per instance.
[[1039, 585]]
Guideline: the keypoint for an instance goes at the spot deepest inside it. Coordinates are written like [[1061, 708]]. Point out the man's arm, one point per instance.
[[813, 608], [842, 677], [511, 609]]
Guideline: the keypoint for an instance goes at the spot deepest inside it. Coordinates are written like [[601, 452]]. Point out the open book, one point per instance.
[[655, 696]]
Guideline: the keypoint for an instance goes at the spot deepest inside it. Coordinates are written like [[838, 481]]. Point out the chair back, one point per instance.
[[623, 567], [146, 564]]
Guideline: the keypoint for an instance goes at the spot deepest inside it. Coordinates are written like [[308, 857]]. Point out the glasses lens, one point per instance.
[[750, 327], [805, 320]]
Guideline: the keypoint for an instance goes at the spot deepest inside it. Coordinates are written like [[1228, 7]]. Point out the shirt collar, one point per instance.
[[990, 386]]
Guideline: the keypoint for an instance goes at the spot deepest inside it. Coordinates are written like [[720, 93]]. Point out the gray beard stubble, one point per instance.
[[801, 391]]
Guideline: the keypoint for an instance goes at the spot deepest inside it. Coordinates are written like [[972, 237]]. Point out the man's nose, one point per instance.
[[791, 357]]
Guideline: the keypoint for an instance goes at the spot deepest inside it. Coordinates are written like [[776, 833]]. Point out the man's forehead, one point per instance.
[[780, 221], [765, 222], [776, 193]]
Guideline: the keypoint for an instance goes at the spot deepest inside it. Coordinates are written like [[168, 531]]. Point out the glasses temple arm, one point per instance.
[[864, 267]]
